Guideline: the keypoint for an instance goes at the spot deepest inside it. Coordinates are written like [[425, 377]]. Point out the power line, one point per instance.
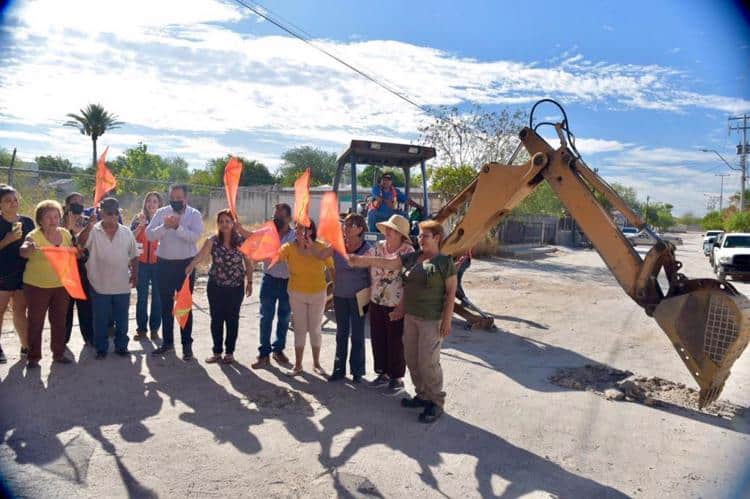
[[261, 11]]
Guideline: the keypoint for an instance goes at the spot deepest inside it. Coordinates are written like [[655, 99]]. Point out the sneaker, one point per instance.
[[122, 353], [262, 362], [63, 360], [32, 364], [3, 358], [154, 335], [336, 377], [381, 380], [431, 413], [396, 384], [187, 353], [413, 403], [213, 359], [280, 358], [162, 350], [357, 378], [101, 355], [228, 359]]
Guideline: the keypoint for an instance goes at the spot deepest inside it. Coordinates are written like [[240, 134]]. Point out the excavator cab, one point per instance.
[[406, 157]]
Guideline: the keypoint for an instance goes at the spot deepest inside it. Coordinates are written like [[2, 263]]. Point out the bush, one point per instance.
[[712, 220], [739, 222]]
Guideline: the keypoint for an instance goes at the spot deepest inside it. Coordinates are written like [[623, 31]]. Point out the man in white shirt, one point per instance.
[[112, 270], [177, 227]]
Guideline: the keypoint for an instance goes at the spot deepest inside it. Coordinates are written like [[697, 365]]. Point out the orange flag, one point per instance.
[[63, 260], [105, 181], [330, 225], [263, 243], [302, 199], [232, 174], [183, 303]]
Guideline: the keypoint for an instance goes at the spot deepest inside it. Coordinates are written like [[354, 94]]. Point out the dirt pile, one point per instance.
[[616, 384]]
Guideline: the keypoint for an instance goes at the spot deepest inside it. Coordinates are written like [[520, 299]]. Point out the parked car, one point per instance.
[[708, 245], [732, 256], [629, 231], [708, 234], [717, 244], [645, 238]]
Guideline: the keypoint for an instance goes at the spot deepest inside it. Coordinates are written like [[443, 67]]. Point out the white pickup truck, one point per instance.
[[731, 256]]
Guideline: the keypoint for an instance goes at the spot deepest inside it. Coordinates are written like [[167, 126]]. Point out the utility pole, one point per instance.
[[10, 168], [742, 151], [721, 192]]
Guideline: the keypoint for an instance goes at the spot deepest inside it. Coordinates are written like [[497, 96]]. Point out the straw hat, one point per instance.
[[397, 223]]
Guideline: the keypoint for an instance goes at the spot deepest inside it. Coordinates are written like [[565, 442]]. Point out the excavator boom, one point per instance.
[[708, 322]]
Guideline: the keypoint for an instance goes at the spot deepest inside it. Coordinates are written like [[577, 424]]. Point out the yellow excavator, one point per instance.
[[707, 321]]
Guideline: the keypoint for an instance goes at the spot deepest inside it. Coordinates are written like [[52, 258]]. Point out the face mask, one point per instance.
[[278, 222], [76, 209], [177, 205]]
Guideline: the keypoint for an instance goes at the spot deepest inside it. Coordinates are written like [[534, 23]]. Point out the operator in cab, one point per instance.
[[385, 196]]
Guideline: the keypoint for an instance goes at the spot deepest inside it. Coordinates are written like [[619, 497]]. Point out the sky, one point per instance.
[[646, 85]]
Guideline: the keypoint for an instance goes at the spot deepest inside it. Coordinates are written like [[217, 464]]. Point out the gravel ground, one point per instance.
[[148, 427]]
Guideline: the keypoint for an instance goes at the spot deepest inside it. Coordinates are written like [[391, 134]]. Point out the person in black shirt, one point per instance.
[[75, 220], [13, 230]]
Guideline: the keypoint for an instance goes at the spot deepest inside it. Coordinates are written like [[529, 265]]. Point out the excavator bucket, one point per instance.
[[709, 326]]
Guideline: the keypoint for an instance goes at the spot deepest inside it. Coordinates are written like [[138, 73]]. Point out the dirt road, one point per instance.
[[155, 427]]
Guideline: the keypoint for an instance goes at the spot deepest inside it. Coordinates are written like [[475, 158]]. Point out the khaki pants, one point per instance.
[[422, 344], [307, 316]]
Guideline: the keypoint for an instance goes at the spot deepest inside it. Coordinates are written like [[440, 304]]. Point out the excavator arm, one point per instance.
[[708, 322]]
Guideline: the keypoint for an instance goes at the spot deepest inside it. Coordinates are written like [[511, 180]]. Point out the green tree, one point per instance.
[[365, 178], [543, 201], [55, 164], [450, 180], [659, 215], [253, 172], [739, 222], [93, 121], [712, 220], [689, 219], [472, 138], [628, 194], [295, 161]]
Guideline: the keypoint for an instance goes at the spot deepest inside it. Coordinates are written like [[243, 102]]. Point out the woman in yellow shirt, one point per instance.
[[307, 292], [41, 285]]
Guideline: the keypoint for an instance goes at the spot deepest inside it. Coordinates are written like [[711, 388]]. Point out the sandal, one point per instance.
[[294, 371], [213, 359], [320, 371], [228, 359]]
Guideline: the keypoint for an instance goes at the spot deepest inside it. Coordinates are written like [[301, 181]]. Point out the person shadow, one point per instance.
[[213, 408], [38, 423], [530, 362]]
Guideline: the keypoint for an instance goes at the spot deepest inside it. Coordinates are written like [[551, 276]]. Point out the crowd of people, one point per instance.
[[408, 292]]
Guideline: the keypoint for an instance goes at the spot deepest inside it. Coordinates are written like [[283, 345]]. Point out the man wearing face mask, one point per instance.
[[177, 227], [273, 290]]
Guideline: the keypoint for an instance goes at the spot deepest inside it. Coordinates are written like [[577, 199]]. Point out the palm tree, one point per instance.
[[93, 121]]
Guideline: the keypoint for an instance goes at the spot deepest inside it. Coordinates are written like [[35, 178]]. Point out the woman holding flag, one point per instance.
[[43, 287], [229, 270], [307, 292]]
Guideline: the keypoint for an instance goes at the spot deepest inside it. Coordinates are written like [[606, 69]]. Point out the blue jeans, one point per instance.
[[348, 320], [171, 275], [272, 290], [144, 320], [108, 309]]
